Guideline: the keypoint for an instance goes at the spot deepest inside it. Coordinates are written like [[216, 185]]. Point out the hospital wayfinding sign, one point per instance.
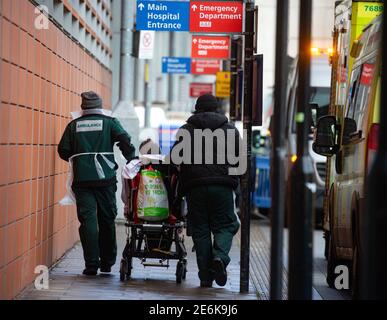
[[205, 66], [194, 16], [216, 16], [223, 84], [210, 47], [162, 15], [197, 89], [176, 65]]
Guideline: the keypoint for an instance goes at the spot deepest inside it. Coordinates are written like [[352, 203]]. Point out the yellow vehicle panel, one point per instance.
[[362, 14]]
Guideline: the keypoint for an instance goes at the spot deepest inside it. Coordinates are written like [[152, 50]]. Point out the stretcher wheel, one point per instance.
[[125, 269], [181, 271], [185, 269]]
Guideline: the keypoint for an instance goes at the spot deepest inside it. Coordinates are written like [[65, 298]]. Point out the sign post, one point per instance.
[[247, 126], [234, 78], [147, 107], [257, 90], [162, 15]]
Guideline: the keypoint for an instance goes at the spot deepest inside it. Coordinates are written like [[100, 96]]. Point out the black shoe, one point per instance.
[[90, 271], [220, 272], [106, 269], [206, 284]]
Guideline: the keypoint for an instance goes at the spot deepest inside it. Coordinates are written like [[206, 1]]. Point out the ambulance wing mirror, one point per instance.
[[325, 139]]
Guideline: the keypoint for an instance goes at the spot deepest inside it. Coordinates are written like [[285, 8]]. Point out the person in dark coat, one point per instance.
[[209, 188]]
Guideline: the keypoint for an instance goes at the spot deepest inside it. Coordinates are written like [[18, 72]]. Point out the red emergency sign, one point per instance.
[[197, 89], [210, 47], [205, 66], [216, 16]]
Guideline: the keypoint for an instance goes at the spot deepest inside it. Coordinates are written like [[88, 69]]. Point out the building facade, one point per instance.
[[50, 52]]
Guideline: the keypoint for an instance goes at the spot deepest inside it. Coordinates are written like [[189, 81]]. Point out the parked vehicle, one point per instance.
[[350, 138], [351, 17], [261, 147]]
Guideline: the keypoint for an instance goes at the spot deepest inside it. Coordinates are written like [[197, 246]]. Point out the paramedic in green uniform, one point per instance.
[[209, 191], [88, 144]]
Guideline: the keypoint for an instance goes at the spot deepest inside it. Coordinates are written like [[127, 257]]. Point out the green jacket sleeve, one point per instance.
[[64, 147], [124, 142]]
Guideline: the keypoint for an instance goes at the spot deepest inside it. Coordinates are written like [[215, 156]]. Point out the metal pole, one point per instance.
[[226, 66], [126, 38], [302, 184], [278, 190], [234, 77], [124, 109], [147, 107], [170, 76], [373, 254], [135, 83], [247, 123]]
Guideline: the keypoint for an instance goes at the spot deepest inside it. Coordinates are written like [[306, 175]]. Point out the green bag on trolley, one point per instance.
[[152, 199]]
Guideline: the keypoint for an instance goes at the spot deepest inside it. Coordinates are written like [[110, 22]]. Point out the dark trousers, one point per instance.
[[97, 211], [211, 210]]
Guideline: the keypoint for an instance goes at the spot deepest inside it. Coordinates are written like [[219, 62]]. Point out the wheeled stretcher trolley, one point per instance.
[[154, 241]]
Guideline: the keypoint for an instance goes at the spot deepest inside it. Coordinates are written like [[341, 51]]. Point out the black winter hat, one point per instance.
[[206, 103], [91, 100]]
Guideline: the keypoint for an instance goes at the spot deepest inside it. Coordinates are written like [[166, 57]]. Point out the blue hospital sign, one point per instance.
[[162, 15], [176, 65]]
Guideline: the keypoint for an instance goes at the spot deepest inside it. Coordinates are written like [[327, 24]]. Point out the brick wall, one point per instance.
[[42, 73]]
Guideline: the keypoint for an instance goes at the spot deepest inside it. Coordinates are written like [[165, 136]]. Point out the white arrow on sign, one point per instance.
[[141, 6], [194, 7]]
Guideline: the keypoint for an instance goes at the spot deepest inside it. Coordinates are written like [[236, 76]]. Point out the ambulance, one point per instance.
[[348, 135]]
